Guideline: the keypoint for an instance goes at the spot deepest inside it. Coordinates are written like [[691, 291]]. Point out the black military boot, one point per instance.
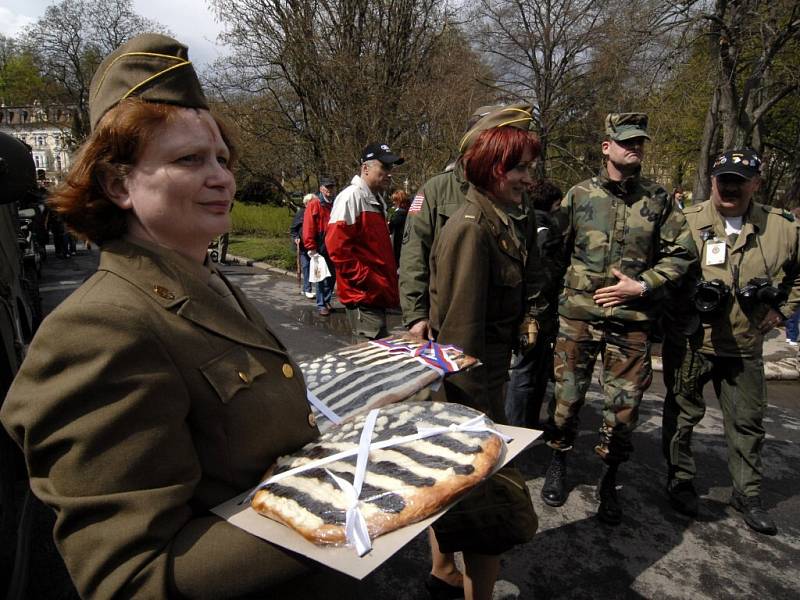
[[554, 490], [610, 511], [683, 497], [754, 515]]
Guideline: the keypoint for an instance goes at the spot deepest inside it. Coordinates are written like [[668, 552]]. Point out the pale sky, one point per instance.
[[190, 22]]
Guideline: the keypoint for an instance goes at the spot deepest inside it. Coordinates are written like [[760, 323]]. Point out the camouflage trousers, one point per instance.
[[741, 389], [627, 373]]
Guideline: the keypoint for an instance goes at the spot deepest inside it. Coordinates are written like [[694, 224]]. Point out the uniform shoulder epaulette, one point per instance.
[[472, 213], [688, 210], [779, 211]]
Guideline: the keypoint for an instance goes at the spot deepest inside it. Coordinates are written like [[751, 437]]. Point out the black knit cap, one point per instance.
[[151, 66]]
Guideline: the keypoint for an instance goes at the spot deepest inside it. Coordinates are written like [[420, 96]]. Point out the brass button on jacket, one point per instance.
[[243, 376], [288, 371], [312, 420]]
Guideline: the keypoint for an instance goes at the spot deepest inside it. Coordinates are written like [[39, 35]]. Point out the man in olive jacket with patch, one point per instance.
[[749, 257], [624, 241]]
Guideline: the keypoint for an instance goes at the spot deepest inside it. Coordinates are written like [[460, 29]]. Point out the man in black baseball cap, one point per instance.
[[735, 177], [381, 152], [752, 250], [358, 242]]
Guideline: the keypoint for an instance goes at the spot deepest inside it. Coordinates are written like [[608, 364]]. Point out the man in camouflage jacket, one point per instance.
[[624, 241]]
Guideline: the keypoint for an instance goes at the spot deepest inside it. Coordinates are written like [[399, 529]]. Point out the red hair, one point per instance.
[[113, 149], [495, 152]]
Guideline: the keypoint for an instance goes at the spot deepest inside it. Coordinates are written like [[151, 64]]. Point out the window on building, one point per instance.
[[40, 140]]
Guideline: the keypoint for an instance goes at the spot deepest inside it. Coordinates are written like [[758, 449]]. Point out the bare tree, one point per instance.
[[72, 38], [746, 39], [329, 76], [577, 60]]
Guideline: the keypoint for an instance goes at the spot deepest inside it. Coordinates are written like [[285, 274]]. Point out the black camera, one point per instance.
[[709, 296], [760, 289]]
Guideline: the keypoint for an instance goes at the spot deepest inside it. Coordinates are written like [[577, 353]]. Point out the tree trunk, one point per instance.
[[708, 148]]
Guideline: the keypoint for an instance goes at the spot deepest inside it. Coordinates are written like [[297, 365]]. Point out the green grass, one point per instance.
[[261, 233], [277, 251], [259, 219]]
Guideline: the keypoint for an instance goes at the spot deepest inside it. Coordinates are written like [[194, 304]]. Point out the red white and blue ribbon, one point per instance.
[[431, 354]]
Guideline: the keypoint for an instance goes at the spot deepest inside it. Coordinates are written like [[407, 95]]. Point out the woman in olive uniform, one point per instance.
[[155, 391], [477, 292]]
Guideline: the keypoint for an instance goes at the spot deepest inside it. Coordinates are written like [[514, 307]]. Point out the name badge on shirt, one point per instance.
[[715, 252]]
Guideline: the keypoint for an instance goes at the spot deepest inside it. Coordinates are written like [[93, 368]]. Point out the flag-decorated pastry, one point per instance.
[[358, 378], [403, 482]]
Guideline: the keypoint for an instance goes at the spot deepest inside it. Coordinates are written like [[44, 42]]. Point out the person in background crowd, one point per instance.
[[793, 322], [315, 226], [625, 240], [156, 390], [750, 281], [532, 371], [359, 245], [679, 197], [397, 221], [296, 233], [477, 299]]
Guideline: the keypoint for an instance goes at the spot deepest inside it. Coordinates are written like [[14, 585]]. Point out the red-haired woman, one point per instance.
[[477, 295], [156, 391]]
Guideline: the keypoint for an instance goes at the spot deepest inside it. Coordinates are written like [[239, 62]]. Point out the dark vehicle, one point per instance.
[[20, 312]]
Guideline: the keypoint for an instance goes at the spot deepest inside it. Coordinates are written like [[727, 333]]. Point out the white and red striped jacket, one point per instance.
[[358, 243]]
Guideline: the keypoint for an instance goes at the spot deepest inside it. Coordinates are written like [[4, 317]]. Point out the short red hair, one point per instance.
[[495, 152]]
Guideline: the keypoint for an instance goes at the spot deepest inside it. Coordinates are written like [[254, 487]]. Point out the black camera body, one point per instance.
[[760, 290], [710, 296]]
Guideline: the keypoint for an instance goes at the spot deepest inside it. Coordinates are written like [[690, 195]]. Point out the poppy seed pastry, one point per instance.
[[358, 378], [404, 483]]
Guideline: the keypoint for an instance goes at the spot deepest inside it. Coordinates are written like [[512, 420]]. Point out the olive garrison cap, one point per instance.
[[625, 126], [514, 115], [150, 66]]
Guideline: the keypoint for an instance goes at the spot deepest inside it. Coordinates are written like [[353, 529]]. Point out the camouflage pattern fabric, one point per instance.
[[630, 225], [742, 394], [627, 374]]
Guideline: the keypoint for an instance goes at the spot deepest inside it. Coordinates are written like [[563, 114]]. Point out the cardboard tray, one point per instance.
[[344, 558]]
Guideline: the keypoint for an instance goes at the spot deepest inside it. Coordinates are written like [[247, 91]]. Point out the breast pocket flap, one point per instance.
[[235, 370]]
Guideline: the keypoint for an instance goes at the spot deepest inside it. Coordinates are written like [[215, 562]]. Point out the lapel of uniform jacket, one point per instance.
[[185, 295], [499, 229]]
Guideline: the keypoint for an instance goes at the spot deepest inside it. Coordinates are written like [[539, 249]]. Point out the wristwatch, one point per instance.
[[645, 288]]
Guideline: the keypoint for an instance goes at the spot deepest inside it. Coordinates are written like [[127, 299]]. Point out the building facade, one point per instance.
[[47, 131]]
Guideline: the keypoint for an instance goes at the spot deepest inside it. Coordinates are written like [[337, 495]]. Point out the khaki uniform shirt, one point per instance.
[[145, 400], [767, 246]]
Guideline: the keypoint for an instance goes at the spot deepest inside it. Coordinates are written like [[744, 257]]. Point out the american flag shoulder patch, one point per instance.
[[416, 203]]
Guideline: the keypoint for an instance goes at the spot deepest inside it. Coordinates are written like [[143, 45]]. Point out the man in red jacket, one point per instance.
[[315, 224], [358, 243]]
